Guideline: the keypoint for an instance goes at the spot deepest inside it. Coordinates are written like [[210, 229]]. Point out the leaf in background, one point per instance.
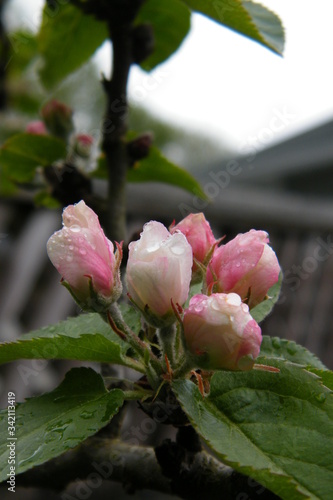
[[274, 427], [86, 338], [48, 425], [170, 20], [274, 347], [247, 18], [23, 153], [23, 49], [67, 39], [44, 199], [156, 168], [263, 309]]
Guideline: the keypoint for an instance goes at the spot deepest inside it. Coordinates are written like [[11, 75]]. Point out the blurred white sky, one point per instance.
[[233, 89]]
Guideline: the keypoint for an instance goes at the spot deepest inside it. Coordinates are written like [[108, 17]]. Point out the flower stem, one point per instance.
[[167, 336]]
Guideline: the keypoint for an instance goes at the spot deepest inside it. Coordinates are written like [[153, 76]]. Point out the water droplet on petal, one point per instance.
[[177, 249], [69, 258], [71, 247], [237, 264], [245, 308], [75, 228], [153, 247], [215, 304], [82, 251], [233, 299]]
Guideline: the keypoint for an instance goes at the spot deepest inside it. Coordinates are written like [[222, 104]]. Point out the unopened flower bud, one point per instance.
[[58, 118], [220, 332], [139, 147], [36, 127], [199, 235], [82, 145], [85, 258], [158, 272], [247, 265]]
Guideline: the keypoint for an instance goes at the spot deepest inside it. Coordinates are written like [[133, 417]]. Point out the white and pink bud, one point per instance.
[[199, 235], [36, 127], [220, 332], [159, 272], [82, 145], [85, 258], [58, 118], [247, 265]]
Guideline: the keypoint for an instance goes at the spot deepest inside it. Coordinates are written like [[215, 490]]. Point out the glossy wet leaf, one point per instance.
[[263, 309], [67, 39], [275, 427], [86, 338], [247, 18], [21, 154], [275, 347], [170, 20], [48, 425]]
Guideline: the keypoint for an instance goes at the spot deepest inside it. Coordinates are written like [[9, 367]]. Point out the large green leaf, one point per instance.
[[170, 20], [274, 347], [275, 427], [48, 425], [263, 309], [67, 39], [21, 154], [247, 18], [86, 338], [156, 168]]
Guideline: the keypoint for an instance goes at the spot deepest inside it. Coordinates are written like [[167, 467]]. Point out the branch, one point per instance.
[[136, 467], [121, 30]]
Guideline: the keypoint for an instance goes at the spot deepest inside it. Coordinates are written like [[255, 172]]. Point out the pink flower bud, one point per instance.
[[158, 271], [85, 258], [36, 127], [221, 333], [82, 145], [58, 118], [199, 235], [246, 266]]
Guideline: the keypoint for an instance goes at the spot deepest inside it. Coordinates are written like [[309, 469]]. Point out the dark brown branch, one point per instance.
[[120, 23], [136, 467]]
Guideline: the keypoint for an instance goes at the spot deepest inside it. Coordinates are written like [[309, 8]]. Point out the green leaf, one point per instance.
[[171, 21], [156, 168], [67, 39], [274, 347], [274, 427], [23, 49], [87, 338], [21, 154], [263, 309], [247, 18], [48, 425], [44, 199], [324, 374]]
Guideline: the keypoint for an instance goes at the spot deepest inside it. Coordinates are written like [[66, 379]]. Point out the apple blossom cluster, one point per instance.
[[163, 266]]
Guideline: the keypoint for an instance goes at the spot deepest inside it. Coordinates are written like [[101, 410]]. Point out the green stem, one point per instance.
[[135, 395], [152, 365], [167, 336], [184, 368]]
